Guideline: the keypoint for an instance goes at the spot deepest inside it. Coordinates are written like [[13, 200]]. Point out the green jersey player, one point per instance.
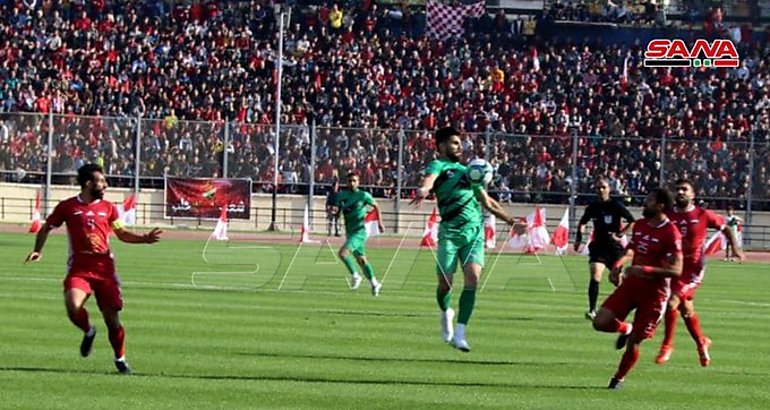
[[352, 203], [461, 232]]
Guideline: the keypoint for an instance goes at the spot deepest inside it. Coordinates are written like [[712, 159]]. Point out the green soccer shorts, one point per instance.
[[465, 248], [356, 243]]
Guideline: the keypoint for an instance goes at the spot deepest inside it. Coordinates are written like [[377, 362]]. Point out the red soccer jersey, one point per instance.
[[655, 245], [88, 228], [694, 225]]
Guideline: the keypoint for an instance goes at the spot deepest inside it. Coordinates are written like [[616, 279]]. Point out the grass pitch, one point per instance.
[[245, 325]]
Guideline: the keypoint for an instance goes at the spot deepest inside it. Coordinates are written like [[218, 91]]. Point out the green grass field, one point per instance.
[[213, 330]]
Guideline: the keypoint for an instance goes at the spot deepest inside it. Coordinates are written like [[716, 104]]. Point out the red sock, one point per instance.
[[118, 342], [80, 319], [670, 321], [630, 357], [693, 325], [617, 326]]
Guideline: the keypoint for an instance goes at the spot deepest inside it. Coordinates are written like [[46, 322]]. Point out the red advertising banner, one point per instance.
[[205, 197]]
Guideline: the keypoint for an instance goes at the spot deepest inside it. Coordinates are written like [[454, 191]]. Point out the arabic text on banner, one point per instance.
[[205, 197]]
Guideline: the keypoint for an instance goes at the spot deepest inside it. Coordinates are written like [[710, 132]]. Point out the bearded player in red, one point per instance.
[[91, 268], [656, 250], [693, 223]]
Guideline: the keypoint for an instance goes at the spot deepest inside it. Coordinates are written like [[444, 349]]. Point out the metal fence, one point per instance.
[[138, 152]]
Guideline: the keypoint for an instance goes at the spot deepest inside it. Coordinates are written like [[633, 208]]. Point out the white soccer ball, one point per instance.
[[480, 172]]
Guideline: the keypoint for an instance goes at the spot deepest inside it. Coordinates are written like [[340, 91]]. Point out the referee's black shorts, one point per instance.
[[606, 253]]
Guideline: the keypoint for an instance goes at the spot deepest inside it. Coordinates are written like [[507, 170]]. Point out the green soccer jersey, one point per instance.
[[457, 204], [353, 204]]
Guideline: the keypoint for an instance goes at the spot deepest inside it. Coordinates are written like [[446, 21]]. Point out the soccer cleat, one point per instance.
[[376, 289], [615, 384], [88, 342], [355, 282], [122, 366], [447, 331], [622, 339], [591, 314], [459, 343], [664, 355], [703, 352]]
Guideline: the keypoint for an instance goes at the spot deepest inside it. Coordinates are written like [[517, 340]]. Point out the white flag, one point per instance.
[[220, 232]]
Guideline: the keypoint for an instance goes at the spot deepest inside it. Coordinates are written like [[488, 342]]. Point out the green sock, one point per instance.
[[369, 271], [444, 299], [350, 263], [467, 300]]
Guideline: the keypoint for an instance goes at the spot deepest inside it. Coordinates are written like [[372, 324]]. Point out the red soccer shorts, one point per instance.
[[105, 288], [649, 298]]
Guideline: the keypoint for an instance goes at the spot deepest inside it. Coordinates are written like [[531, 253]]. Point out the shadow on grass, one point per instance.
[[294, 379]]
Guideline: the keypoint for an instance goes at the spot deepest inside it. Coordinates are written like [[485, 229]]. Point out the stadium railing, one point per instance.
[[138, 153]]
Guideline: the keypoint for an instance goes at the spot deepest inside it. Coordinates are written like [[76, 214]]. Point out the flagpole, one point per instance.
[[277, 145]]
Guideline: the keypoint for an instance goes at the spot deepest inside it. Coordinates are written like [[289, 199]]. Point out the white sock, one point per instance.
[[460, 331], [375, 282], [91, 332], [120, 359], [630, 329]]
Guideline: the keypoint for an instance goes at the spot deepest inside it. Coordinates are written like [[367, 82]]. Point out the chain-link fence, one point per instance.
[[47, 149]]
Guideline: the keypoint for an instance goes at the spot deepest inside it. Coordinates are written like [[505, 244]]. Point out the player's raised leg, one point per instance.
[[607, 321], [76, 294]]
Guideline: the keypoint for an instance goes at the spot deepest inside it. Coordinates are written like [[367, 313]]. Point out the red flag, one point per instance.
[[430, 235], [35, 227], [537, 230], [372, 223], [305, 232], [716, 243], [560, 237], [128, 210], [220, 232], [490, 231]]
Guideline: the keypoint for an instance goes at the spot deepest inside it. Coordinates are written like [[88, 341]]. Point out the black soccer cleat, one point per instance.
[[122, 366], [615, 384], [88, 342], [621, 342]]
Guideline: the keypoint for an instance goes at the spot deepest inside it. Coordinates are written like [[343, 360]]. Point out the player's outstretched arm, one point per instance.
[[42, 236], [734, 243], [130, 237], [498, 211], [422, 192]]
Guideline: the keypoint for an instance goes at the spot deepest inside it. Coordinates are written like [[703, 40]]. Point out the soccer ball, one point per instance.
[[480, 172]]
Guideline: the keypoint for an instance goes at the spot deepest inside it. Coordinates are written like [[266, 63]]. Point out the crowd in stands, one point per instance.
[[198, 73], [645, 12]]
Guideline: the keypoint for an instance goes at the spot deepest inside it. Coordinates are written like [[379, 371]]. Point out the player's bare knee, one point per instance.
[[362, 260], [687, 310], [444, 283], [343, 252], [111, 319]]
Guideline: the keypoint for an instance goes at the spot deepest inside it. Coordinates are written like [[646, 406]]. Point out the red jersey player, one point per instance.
[[656, 250], [693, 223], [91, 268]]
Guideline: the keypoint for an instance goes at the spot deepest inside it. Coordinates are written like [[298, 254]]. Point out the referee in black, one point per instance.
[[605, 248]]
